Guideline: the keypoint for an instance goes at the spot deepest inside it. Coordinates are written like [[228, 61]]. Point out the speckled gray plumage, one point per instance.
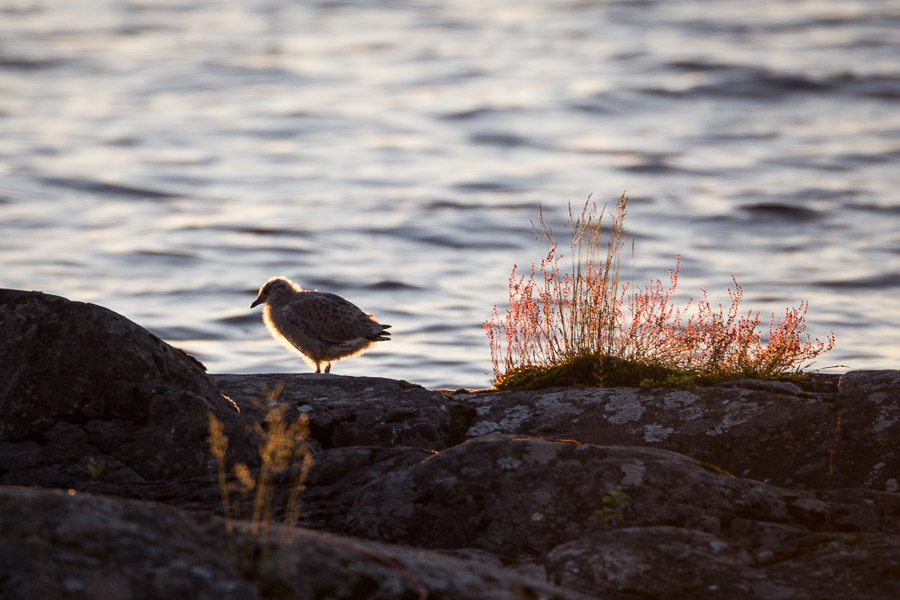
[[321, 326]]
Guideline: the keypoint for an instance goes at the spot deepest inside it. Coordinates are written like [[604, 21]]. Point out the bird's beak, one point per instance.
[[257, 302]]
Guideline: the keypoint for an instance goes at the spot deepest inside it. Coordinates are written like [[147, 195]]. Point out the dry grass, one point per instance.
[[285, 459], [583, 326]]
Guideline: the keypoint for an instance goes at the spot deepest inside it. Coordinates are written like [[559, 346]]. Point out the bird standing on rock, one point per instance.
[[321, 326]]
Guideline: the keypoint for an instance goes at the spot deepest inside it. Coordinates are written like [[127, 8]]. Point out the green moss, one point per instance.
[[681, 381], [600, 370], [590, 370]]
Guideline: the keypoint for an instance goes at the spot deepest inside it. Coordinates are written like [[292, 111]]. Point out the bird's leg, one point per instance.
[[328, 368], [318, 368]]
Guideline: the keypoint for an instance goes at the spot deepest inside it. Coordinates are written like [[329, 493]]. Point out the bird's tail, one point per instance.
[[381, 336]]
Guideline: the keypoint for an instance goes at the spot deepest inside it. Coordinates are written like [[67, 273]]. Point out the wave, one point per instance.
[[108, 189]]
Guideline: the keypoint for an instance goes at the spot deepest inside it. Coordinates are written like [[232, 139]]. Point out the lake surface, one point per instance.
[[165, 158]]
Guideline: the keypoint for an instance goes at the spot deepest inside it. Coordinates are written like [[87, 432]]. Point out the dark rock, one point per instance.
[[361, 411], [523, 497], [57, 545], [686, 528], [645, 506], [828, 565], [74, 361], [339, 476], [87, 393], [868, 430], [655, 561], [672, 562]]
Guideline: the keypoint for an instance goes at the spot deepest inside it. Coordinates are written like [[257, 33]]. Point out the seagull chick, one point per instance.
[[321, 326]]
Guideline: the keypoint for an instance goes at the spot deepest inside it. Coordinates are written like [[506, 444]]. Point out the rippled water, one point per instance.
[[164, 158]]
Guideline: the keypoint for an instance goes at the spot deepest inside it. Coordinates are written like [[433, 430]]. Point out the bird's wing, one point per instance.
[[329, 317]]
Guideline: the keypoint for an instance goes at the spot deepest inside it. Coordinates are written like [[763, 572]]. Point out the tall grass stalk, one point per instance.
[[558, 318], [285, 459]]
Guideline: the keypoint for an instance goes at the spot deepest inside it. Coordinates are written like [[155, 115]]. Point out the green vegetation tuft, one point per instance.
[[614, 503], [588, 370], [93, 469]]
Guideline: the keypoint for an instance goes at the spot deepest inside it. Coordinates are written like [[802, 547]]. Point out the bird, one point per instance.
[[321, 326]]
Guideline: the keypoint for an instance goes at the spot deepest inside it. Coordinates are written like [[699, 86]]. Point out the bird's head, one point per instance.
[[274, 289]]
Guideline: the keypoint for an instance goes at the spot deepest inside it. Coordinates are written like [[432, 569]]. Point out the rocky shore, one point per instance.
[[751, 489]]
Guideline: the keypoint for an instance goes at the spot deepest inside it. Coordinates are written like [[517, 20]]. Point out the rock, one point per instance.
[[57, 545], [666, 492], [523, 497], [672, 562], [340, 475], [362, 427], [685, 528], [656, 561], [766, 430], [868, 430], [87, 393], [361, 411], [74, 361]]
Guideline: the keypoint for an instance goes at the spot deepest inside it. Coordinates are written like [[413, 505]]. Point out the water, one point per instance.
[[164, 159]]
